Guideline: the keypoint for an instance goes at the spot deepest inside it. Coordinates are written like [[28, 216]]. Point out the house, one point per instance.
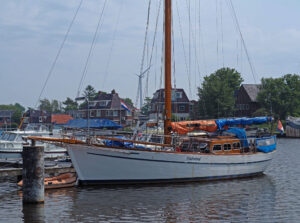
[[5, 117], [180, 104], [246, 103], [108, 106], [37, 116]]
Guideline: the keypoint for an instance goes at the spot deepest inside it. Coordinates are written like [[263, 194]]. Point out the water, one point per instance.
[[273, 197]]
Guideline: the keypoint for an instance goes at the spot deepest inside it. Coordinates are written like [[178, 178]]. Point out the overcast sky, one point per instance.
[[31, 33]]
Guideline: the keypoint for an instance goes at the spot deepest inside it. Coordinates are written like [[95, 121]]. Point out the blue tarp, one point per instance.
[[241, 121], [266, 144], [240, 134], [93, 123], [122, 144]]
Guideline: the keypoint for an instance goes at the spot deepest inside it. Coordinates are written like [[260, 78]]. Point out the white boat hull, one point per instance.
[[108, 165]]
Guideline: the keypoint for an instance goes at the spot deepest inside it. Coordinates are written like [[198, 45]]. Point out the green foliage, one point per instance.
[[128, 101], [261, 112], [147, 106], [53, 106], [216, 95], [90, 93], [18, 110], [281, 95], [70, 104]]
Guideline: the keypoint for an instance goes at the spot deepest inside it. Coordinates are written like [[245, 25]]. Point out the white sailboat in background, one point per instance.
[[107, 160]]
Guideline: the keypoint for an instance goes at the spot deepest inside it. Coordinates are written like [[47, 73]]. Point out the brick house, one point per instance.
[[37, 116], [107, 106], [246, 103], [180, 104]]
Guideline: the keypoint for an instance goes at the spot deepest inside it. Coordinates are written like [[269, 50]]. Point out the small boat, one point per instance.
[[60, 181], [11, 143]]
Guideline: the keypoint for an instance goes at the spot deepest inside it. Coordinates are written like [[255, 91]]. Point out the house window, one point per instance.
[[247, 107], [103, 103], [128, 113], [181, 108], [217, 148], [227, 147], [98, 113], [109, 113], [178, 95], [115, 113], [92, 114], [92, 103]]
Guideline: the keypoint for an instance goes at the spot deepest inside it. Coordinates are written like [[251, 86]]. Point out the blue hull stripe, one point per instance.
[[167, 161], [174, 180]]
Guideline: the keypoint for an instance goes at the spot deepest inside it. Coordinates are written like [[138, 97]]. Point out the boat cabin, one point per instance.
[[215, 145]]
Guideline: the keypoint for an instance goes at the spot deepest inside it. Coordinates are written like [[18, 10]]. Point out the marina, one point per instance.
[[206, 139], [272, 197]]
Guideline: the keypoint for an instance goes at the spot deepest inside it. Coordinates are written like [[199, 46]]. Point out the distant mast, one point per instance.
[[168, 70]]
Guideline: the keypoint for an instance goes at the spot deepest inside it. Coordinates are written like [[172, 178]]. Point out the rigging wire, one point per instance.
[[222, 33], [182, 41], [231, 7], [84, 73], [217, 30], [112, 44], [58, 52], [152, 47], [145, 44]]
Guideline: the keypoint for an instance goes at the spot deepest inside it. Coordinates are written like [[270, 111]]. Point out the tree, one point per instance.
[[90, 93], [18, 111], [281, 96], [45, 105], [128, 101], [146, 106], [70, 104], [216, 95], [53, 106]]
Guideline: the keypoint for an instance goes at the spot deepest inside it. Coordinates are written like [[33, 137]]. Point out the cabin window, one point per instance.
[[227, 147], [11, 137], [195, 147], [217, 148], [236, 145], [185, 146]]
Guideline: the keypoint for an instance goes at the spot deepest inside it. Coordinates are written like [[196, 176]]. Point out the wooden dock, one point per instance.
[[55, 170]]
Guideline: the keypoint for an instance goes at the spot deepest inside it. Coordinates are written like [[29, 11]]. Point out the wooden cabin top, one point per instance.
[[215, 145]]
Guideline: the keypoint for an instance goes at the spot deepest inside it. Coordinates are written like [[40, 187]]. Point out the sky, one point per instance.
[[206, 38]]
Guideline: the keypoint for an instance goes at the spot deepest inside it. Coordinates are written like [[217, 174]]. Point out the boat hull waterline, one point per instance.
[[103, 165]]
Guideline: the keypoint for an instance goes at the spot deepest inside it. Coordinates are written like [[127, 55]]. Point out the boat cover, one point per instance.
[[221, 123], [293, 122], [240, 134], [108, 142], [185, 127], [266, 144], [93, 123]]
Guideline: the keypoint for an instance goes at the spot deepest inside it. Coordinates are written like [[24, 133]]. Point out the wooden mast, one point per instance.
[[168, 70]]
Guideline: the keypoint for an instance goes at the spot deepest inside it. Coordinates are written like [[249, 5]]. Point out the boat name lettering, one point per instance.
[[193, 158]]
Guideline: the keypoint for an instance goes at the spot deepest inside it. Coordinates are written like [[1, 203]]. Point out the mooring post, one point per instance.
[[33, 173]]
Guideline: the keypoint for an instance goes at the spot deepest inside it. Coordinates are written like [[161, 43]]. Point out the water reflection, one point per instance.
[[33, 213], [227, 200]]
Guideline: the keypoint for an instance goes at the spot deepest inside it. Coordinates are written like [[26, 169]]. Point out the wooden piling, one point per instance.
[[33, 174]]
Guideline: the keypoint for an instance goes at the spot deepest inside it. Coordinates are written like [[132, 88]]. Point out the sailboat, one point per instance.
[[179, 158]]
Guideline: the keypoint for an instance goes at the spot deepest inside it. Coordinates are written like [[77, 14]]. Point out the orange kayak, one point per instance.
[[60, 181]]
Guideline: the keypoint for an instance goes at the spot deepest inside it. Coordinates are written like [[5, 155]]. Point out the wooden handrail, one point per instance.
[[70, 141]]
